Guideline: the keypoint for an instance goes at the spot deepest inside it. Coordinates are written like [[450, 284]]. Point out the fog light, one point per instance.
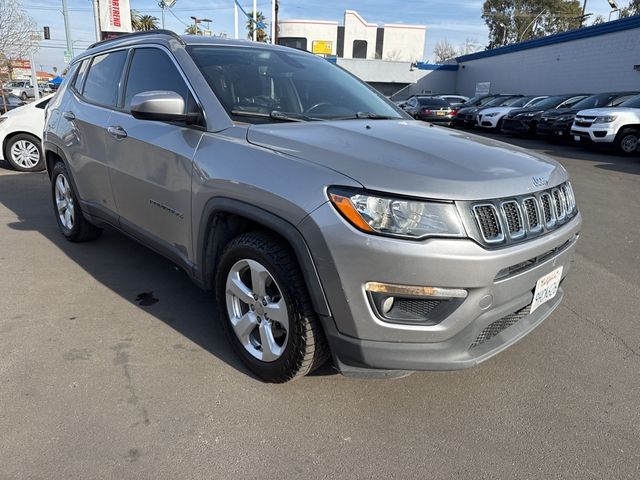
[[387, 305]]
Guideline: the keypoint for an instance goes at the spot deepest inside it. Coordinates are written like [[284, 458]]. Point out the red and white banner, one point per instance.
[[115, 16]]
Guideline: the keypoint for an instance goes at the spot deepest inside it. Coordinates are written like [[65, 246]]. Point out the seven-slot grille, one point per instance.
[[514, 219]]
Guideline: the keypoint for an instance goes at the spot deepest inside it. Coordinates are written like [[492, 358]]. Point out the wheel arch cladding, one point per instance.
[[223, 219]]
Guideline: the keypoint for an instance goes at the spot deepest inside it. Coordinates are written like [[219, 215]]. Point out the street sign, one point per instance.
[[67, 56], [322, 47]]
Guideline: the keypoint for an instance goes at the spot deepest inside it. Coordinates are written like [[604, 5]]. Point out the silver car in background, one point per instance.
[[326, 221]]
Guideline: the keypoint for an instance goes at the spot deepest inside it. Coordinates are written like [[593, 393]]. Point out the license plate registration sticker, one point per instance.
[[546, 288]]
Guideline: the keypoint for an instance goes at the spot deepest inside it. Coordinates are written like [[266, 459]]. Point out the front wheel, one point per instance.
[[71, 221], [266, 311], [23, 96], [23, 152], [628, 141]]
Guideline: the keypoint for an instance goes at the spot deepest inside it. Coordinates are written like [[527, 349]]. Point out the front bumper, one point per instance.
[[554, 129], [599, 133], [346, 259], [520, 127], [488, 122]]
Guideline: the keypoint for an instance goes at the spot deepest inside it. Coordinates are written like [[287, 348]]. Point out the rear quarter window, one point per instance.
[[103, 78]]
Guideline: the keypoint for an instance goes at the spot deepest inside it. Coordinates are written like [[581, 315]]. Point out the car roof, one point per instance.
[[167, 37]]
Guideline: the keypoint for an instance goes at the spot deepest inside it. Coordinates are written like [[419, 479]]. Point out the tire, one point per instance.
[[24, 153], [79, 229], [297, 349], [628, 142], [24, 96]]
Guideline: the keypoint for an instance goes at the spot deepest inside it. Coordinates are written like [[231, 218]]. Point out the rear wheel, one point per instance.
[[23, 152], [266, 311], [628, 141], [71, 221]]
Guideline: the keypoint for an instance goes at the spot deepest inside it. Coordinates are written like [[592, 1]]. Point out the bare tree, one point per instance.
[[444, 51], [470, 45], [17, 30]]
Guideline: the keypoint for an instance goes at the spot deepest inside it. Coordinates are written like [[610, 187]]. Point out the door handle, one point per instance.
[[69, 115], [117, 132]]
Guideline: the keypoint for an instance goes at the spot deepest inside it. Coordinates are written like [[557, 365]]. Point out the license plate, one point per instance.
[[441, 114], [576, 138], [546, 288]]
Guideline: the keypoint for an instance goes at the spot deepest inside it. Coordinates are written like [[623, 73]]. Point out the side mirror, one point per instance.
[[160, 105]]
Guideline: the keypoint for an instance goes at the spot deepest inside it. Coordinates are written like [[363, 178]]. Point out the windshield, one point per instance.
[[497, 102], [633, 102], [548, 103], [253, 83], [518, 102], [600, 100]]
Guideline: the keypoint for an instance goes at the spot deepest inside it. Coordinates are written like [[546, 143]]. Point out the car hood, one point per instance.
[[412, 158], [497, 110], [559, 112], [595, 112]]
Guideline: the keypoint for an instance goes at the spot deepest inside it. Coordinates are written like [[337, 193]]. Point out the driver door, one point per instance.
[[151, 161]]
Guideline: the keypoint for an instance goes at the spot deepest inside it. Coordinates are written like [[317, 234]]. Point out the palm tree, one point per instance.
[[141, 23], [261, 35], [192, 30]]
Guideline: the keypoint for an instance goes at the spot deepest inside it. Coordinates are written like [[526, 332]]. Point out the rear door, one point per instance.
[[151, 161]]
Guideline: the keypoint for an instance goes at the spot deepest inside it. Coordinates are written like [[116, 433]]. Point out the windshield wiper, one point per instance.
[[367, 115], [277, 115]]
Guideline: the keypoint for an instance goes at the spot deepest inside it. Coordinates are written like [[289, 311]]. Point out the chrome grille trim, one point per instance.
[[534, 219], [480, 213], [504, 221], [514, 221]]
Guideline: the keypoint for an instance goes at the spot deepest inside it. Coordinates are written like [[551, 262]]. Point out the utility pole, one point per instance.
[[273, 21], [67, 31], [96, 19], [255, 20], [235, 20]]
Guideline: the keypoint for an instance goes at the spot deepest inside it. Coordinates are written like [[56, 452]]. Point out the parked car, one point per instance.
[[467, 117], [491, 118], [430, 109], [556, 124], [21, 136], [9, 102], [21, 88], [327, 221], [618, 127], [523, 121], [455, 100]]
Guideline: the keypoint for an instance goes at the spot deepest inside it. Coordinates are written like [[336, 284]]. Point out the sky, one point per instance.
[[453, 20]]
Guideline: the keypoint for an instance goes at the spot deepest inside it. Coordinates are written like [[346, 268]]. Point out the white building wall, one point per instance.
[[355, 28], [597, 64], [403, 42], [311, 30], [380, 71]]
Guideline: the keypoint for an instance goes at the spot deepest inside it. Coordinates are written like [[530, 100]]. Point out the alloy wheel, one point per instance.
[[257, 310], [629, 143], [64, 202]]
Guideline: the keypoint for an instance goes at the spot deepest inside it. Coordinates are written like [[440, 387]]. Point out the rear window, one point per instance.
[[103, 78], [433, 102]]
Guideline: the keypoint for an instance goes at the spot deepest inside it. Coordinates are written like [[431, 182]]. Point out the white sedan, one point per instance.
[[491, 118], [21, 136]]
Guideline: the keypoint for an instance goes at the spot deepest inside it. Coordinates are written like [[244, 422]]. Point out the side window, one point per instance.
[[82, 73], [103, 78], [152, 69]]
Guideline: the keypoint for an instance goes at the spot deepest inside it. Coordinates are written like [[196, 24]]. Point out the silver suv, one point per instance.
[[325, 220]]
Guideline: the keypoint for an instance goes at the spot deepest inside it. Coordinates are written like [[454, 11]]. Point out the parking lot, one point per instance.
[[112, 366]]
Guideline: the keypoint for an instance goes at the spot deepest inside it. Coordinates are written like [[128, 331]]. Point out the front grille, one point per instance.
[[583, 124], [513, 215], [513, 219], [498, 326], [531, 209], [487, 217]]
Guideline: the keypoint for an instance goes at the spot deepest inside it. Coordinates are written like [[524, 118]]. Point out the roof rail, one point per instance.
[[135, 34]]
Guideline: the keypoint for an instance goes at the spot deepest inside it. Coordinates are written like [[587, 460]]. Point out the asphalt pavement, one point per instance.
[[112, 366]]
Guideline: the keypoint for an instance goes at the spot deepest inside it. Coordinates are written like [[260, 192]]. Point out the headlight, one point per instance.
[[565, 118], [492, 114], [396, 216], [605, 119]]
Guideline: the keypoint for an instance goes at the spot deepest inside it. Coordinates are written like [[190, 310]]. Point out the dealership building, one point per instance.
[[355, 38]]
